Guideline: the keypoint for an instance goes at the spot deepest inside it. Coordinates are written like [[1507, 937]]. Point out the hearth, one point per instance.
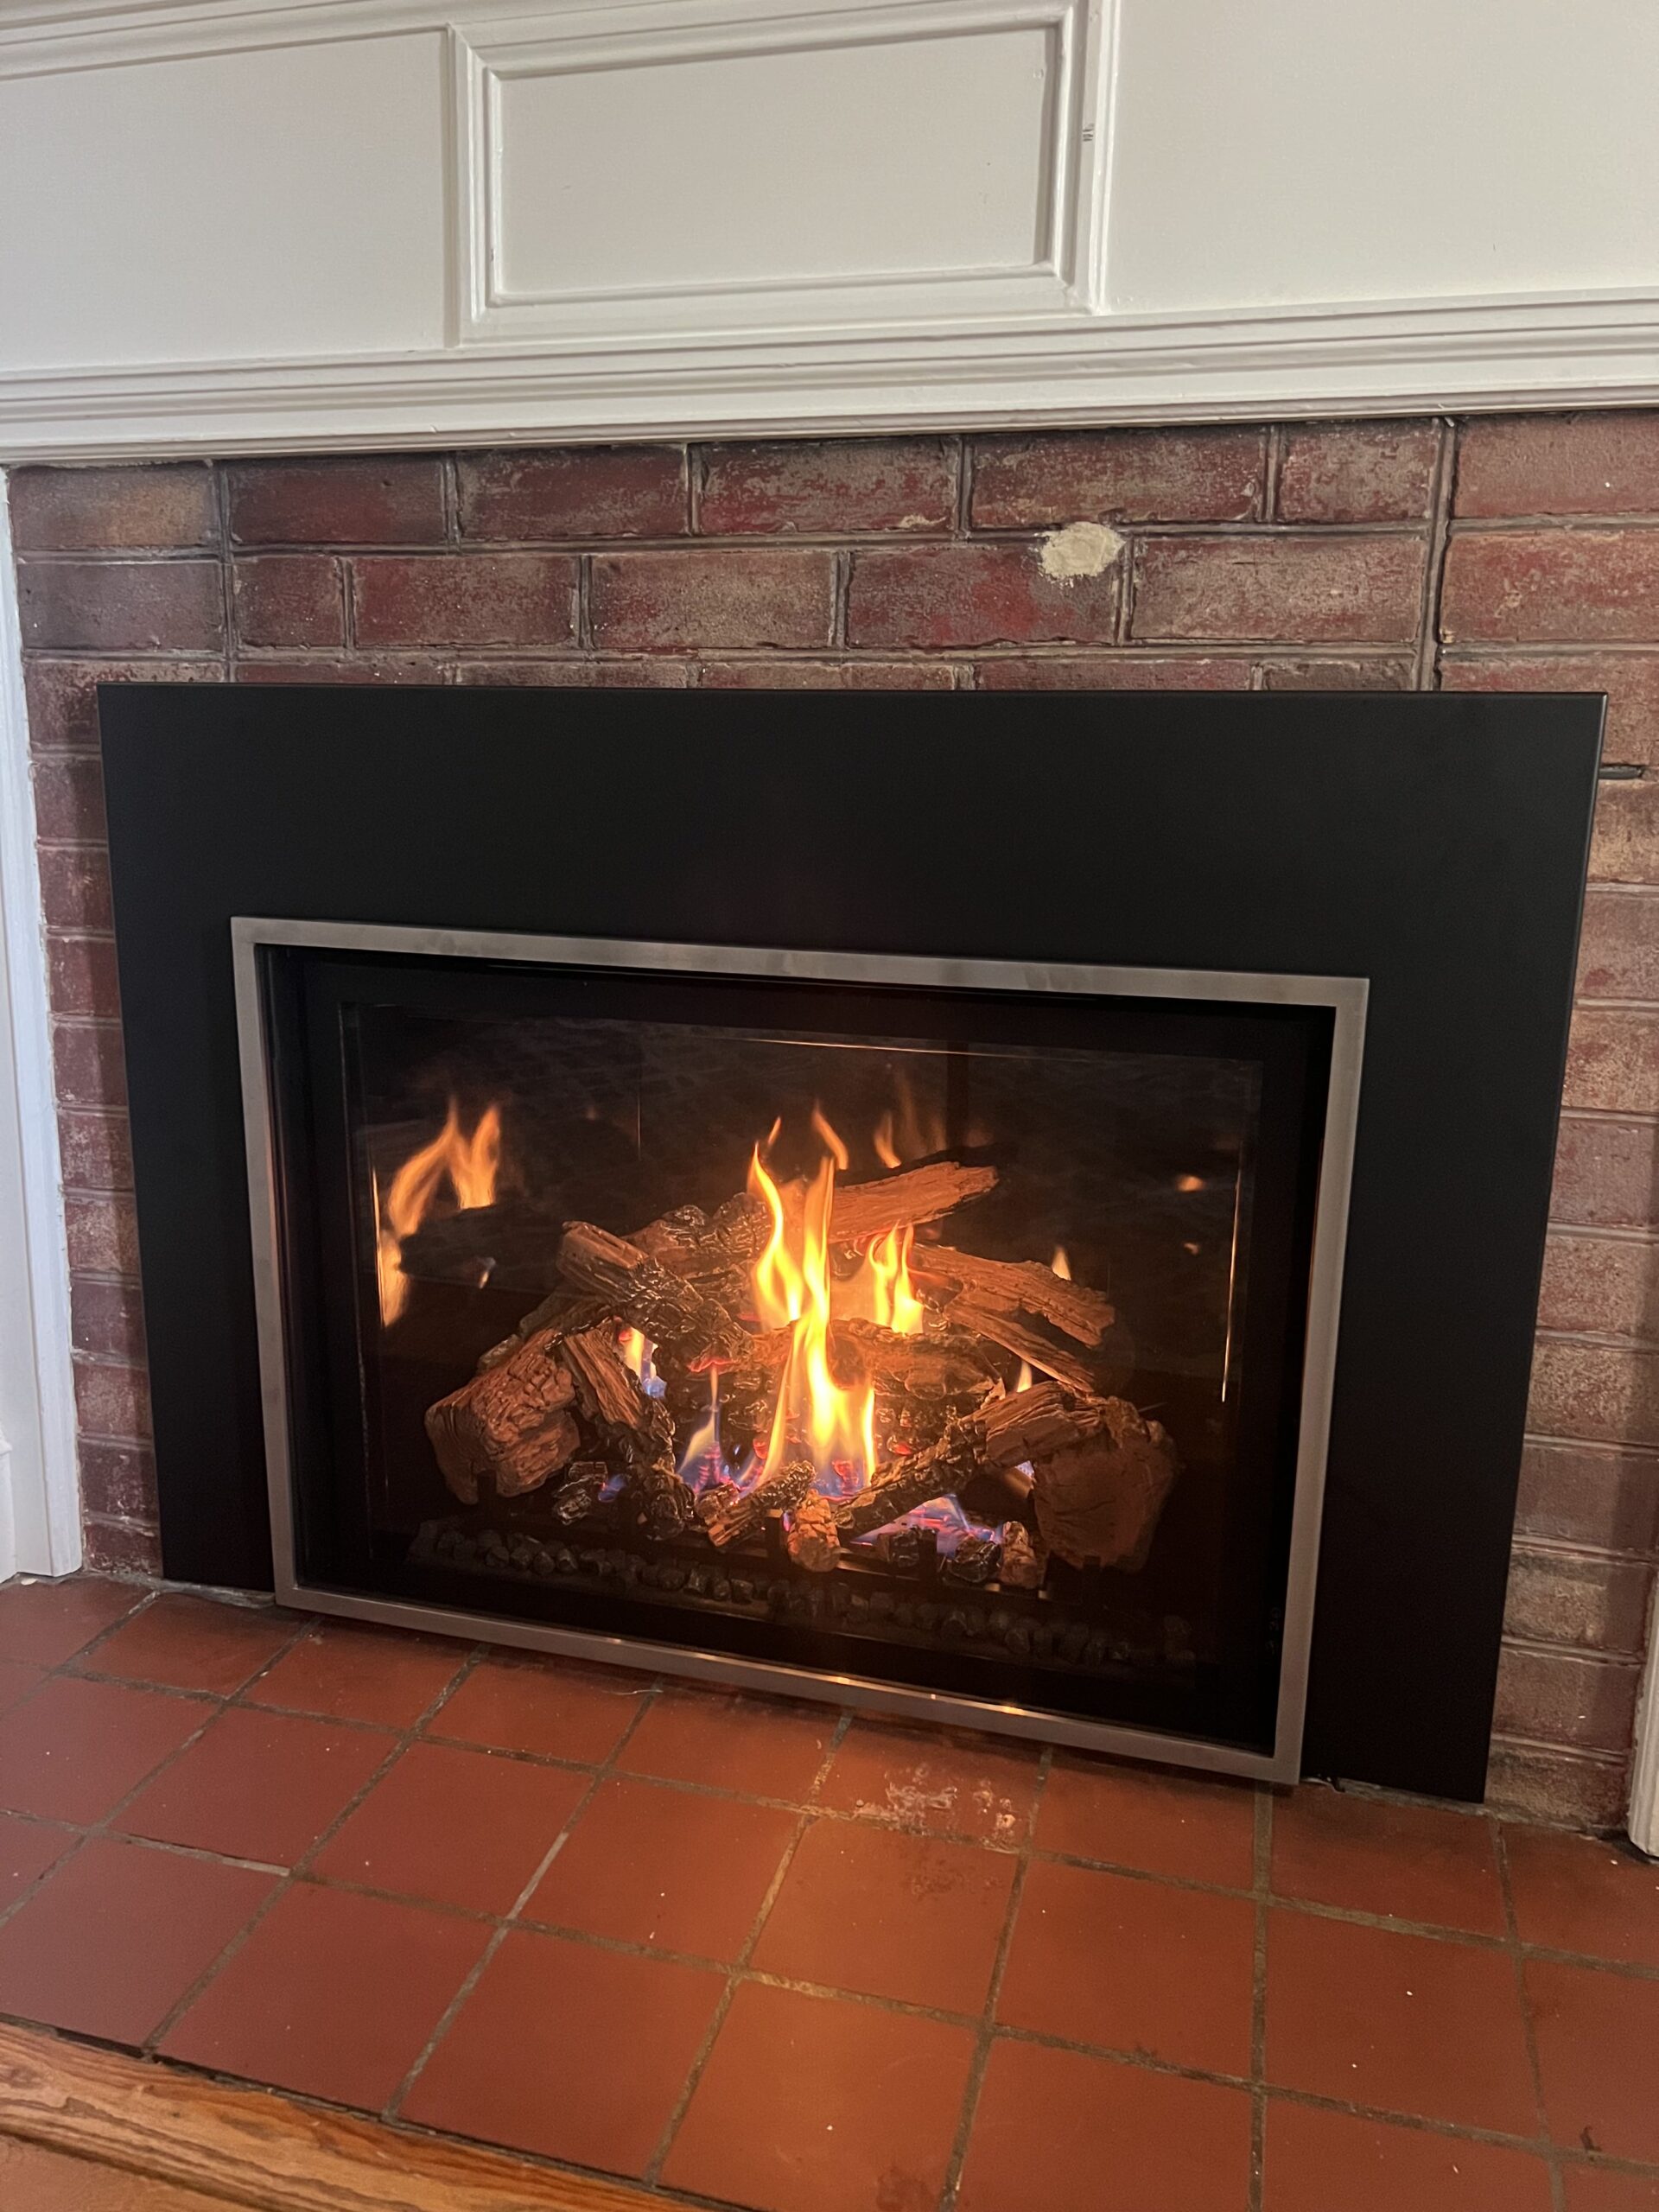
[[848, 1194], [939, 1325]]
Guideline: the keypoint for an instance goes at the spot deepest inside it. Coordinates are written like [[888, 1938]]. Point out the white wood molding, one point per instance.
[[39, 1491], [1644, 1771], [329, 224]]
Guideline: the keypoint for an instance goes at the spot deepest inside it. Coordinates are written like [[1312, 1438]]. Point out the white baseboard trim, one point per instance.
[[40, 1491], [1644, 1771]]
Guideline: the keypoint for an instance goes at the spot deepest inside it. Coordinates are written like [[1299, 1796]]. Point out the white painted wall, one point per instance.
[[245, 224]]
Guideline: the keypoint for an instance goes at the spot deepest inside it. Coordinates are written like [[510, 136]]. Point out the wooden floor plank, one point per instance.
[[250, 2147]]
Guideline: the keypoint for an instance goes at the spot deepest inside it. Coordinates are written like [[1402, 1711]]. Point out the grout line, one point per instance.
[[738, 1969], [1557, 2184], [1262, 1868], [1273, 462], [963, 523], [981, 2060], [510, 1920], [1425, 673]]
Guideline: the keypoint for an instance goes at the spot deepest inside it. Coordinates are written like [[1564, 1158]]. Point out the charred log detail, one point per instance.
[[643, 1292], [1024, 1285], [744, 1512], [899, 1487], [813, 1535], [1097, 1501], [903, 1199], [512, 1426]]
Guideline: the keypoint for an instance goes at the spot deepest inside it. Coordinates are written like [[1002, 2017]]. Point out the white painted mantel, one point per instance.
[[247, 226], [237, 225]]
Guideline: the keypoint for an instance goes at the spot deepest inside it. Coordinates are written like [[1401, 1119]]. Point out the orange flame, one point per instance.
[[1059, 1265], [470, 1165]]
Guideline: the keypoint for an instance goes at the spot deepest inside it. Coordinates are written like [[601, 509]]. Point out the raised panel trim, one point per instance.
[[1057, 281]]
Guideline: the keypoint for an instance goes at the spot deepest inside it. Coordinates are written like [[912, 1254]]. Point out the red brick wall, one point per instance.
[[1477, 556]]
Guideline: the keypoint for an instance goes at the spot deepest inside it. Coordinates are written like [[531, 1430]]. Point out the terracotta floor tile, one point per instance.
[[649, 1863], [931, 1780], [819, 2104], [1055, 2132], [345, 1673], [1409, 2023], [914, 1917], [1598, 2036], [1403, 1862], [569, 2051], [27, 1849], [761, 1747], [110, 1943], [17, 1681], [194, 1643], [1135, 1816], [258, 1785], [1133, 1966], [551, 1706], [76, 1748], [333, 1995], [1594, 2189], [46, 1623], [1332, 2162], [454, 1827], [1573, 1893]]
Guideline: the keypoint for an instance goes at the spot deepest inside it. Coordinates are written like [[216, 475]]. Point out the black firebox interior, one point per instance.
[[1435, 847]]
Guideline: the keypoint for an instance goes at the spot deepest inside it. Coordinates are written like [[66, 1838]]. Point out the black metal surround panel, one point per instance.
[[1434, 845]]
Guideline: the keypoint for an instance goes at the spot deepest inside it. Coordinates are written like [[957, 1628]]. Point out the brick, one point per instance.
[[1631, 681], [581, 492], [75, 887], [1299, 590], [69, 799], [1388, 672], [829, 487], [1559, 465], [121, 606], [586, 675], [1357, 472], [107, 1319], [465, 599], [387, 499], [118, 1481], [103, 1233], [1595, 1393], [828, 676], [1116, 672], [730, 599], [95, 1150], [111, 1400], [1601, 1286], [122, 1548], [1603, 1497], [112, 510], [289, 599], [370, 668], [1613, 1061], [62, 695], [87, 1064], [1562, 1697], [1618, 948], [1591, 1605], [1541, 586], [1625, 841], [81, 977], [1556, 1785], [1607, 1174], [934, 596], [1116, 475]]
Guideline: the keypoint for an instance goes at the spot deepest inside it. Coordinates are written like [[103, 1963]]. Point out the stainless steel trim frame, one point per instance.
[[1344, 995]]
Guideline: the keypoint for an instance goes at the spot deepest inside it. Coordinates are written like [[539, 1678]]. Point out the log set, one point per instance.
[[555, 1405]]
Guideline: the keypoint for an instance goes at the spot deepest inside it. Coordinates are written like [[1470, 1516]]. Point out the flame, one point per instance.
[[1059, 1265], [1022, 1381], [894, 1300], [469, 1165], [881, 1137]]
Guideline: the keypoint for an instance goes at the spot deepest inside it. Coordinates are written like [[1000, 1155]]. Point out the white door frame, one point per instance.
[[39, 1491]]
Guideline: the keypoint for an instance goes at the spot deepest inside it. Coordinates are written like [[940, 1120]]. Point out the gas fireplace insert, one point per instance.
[[880, 1196], [955, 1332]]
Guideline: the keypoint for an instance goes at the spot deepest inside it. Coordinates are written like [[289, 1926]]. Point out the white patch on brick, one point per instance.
[[1081, 548]]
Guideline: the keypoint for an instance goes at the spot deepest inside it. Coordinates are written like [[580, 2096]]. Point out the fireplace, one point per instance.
[[941, 1326], [947, 1311]]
